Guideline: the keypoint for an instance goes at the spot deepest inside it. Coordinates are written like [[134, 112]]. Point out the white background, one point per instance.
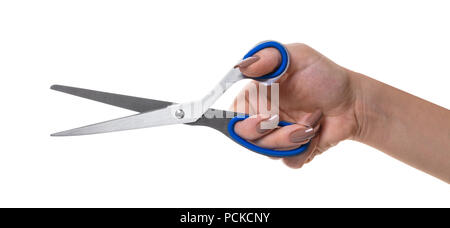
[[177, 50]]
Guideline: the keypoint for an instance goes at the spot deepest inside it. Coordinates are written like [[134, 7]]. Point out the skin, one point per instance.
[[353, 106]]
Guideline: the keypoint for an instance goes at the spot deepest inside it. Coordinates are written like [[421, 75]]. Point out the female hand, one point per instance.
[[315, 93], [330, 103]]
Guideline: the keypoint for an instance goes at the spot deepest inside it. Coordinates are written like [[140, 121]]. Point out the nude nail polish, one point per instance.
[[247, 62], [301, 135]]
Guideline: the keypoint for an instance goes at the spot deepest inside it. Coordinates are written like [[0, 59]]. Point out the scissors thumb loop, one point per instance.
[[283, 66]]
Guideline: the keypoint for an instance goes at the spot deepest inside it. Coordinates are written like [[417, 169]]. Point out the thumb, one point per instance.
[[261, 63]]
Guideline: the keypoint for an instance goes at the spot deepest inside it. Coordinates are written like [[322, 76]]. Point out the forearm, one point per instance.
[[406, 127]]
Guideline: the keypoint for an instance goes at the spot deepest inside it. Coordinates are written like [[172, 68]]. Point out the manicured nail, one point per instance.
[[247, 61], [301, 135], [267, 124]]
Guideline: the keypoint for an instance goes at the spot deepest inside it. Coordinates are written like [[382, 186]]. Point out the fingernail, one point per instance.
[[267, 124], [247, 62], [301, 135]]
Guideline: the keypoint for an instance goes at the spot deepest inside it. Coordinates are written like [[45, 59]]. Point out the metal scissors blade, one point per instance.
[[153, 112], [143, 120], [173, 114], [139, 104], [136, 104]]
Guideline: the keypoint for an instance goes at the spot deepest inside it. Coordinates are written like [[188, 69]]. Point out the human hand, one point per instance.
[[315, 93]]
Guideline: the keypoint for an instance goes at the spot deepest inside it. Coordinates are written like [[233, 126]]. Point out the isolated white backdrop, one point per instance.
[[177, 50]]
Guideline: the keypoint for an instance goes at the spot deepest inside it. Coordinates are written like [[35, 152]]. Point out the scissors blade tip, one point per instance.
[[74, 132], [62, 133]]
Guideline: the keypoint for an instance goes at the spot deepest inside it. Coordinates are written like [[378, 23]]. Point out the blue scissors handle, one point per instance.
[[284, 58], [261, 150]]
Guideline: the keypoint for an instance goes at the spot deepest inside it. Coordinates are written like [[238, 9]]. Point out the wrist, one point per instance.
[[368, 110]]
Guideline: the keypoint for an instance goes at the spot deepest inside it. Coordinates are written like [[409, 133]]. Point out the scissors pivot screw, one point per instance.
[[179, 113]]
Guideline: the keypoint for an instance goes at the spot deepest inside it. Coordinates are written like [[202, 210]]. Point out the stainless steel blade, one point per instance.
[[136, 104], [185, 113], [212, 118], [148, 119]]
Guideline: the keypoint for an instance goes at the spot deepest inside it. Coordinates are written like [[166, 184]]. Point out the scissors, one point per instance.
[[152, 113]]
